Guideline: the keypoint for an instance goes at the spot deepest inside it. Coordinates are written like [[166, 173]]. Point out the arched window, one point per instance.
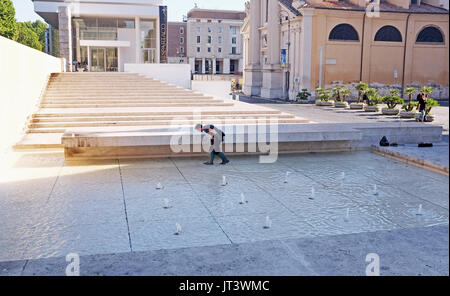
[[344, 32], [388, 33], [430, 35]]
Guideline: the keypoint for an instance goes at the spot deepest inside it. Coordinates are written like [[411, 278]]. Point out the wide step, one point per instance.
[[124, 102]]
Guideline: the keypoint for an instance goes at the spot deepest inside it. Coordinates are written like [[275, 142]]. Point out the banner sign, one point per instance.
[[163, 34], [283, 58]]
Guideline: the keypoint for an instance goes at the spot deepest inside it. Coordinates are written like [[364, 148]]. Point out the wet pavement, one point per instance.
[[49, 208]]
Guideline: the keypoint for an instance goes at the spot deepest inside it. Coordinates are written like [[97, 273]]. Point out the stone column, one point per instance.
[[226, 66], [192, 63], [89, 58], [295, 64], [306, 49], [272, 74], [252, 71], [138, 53], [119, 60], [65, 35], [214, 65], [203, 66], [77, 32], [274, 33]]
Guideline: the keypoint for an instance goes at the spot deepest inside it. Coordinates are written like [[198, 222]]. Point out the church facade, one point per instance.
[[290, 45]]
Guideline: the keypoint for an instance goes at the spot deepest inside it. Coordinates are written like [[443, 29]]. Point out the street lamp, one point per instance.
[[286, 15]]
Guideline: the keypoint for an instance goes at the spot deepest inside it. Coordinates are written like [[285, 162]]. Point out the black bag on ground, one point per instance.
[[384, 142]]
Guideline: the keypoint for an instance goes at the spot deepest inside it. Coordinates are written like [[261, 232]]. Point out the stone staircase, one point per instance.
[[111, 102]]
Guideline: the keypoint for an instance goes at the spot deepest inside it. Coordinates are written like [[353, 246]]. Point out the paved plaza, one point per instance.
[[49, 208]]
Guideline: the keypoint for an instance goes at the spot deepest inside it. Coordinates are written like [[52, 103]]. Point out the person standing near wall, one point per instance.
[[217, 137], [422, 99]]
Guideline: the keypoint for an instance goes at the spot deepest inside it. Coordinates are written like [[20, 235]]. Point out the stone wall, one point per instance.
[[65, 35], [23, 76]]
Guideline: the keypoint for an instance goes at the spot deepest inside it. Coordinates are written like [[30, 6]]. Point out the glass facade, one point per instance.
[[103, 58], [148, 41], [100, 28]]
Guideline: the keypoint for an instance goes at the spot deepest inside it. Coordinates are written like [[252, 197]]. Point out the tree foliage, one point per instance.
[[28, 37], [8, 27], [31, 34]]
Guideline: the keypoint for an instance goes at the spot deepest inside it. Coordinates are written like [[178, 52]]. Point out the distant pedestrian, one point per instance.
[[217, 137], [422, 100]]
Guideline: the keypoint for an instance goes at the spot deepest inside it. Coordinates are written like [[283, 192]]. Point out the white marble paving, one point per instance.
[[51, 208]]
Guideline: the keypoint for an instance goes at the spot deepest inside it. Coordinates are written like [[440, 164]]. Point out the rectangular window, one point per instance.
[[198, 49], [209, 30], [181, 40], [198, 30], [219, 49], [181, 50], [181, 30], [148, 41], [233, 30], [233, 50], [209, 49], [125, 24], [219, 40], [233, 40], [198, 39], [219, 30], [209, 39]]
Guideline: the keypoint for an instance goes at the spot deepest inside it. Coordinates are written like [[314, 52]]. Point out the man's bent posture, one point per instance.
[[216, 142]]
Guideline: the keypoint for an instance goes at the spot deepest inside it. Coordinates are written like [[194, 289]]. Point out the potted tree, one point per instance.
[[392, 100], [373, 100], [341, 94], [303, 96], [408, 108], [324, 98], [428, 116], [361, 88]]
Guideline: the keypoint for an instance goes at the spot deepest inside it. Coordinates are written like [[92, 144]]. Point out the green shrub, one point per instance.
[[374, 97], [361, 87], [323, 94], [336, 93], [428, 90], [430, 104], [392, 101], [410, 91], [409, 107], [345, 93], [303, 95]]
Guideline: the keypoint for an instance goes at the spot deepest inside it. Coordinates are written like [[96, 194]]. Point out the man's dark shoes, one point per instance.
[[225, 162], [208, 163]]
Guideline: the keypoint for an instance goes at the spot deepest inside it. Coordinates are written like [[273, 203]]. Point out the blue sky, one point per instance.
[[177, 8]]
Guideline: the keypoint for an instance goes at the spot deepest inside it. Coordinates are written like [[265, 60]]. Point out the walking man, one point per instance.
[[216, 142], [422, 99]]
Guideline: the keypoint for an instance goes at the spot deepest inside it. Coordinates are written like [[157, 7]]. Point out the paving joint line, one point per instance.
[[125, 206], [198, 196]]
